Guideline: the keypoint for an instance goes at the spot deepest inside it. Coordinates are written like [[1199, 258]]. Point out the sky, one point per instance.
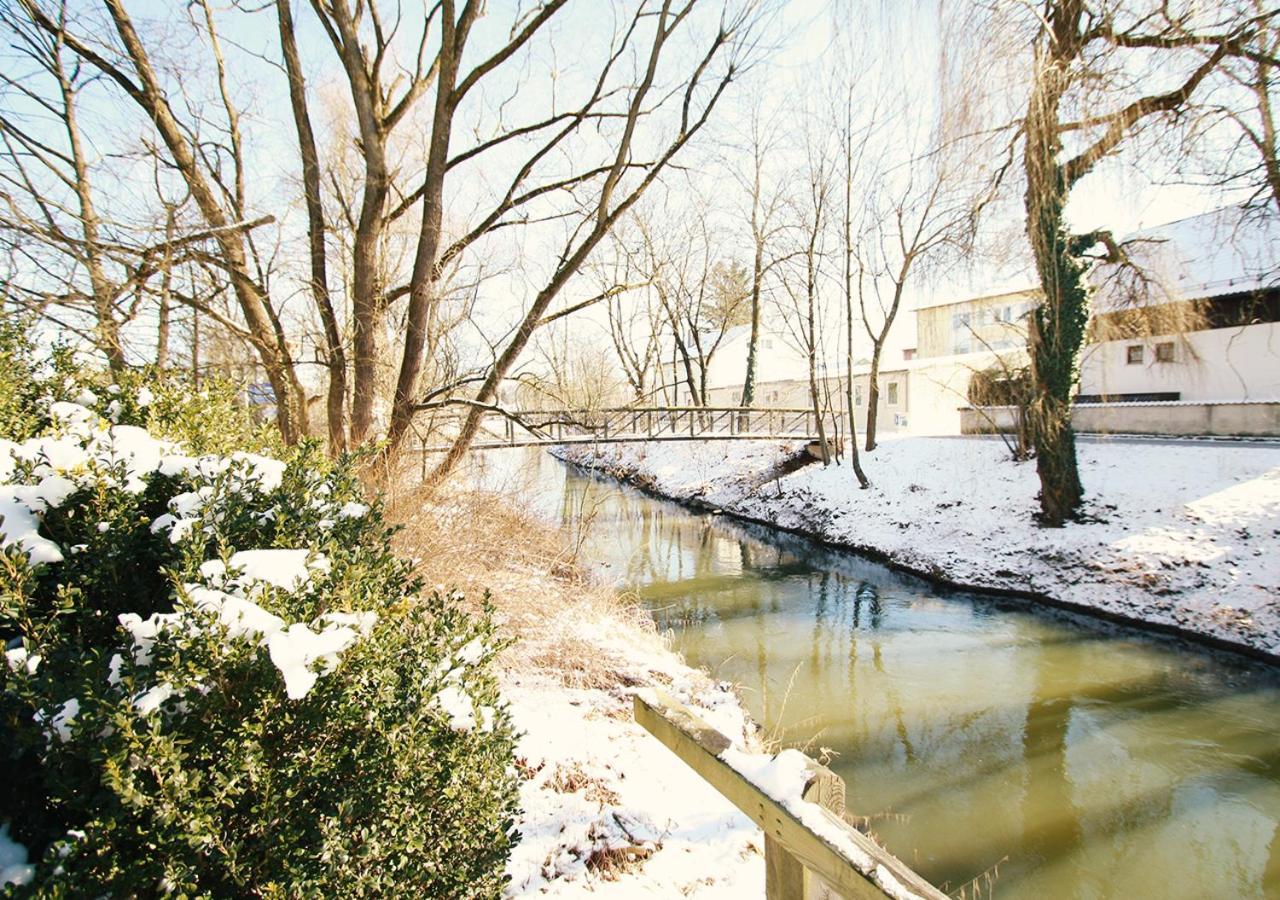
[[798, 50]]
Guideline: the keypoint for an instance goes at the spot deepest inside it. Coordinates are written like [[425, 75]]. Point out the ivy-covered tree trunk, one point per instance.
[[1057, 325], [1066, 57], [1057, 333]]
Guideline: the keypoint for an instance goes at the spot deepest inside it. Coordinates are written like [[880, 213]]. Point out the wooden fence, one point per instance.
[[799, 862]]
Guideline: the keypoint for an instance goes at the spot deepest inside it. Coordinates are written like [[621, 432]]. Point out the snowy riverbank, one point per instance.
[[1183, 536], [605, 808]]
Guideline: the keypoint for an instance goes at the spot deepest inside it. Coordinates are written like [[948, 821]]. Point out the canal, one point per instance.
[[1014, 751]]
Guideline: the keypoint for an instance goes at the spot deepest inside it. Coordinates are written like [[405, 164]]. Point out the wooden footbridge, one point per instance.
[[529, 428]]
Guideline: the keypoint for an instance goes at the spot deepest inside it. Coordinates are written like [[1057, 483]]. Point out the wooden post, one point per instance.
[[800, 863]]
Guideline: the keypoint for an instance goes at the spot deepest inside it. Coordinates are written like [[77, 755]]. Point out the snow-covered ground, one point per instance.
[[606, 809], [1182, 535]]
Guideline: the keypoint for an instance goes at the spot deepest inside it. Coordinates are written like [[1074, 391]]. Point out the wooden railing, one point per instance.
[[824, 855], [654, 423]]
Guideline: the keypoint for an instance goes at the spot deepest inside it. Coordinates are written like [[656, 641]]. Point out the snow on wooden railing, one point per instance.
[[810, 849]]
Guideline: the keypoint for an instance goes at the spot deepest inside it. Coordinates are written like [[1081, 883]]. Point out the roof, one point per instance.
[[990, 293], [1231, 250]]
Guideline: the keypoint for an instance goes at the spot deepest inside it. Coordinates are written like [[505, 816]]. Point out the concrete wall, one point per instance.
[[1254, 419]]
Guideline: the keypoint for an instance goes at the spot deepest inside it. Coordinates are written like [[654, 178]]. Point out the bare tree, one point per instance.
[[801, 310], [90, 274], [204, 164], [765, 201], [921, 183], [334, 352], [700, 296], [1079, 50], [634, 318], [852, 146], [1245, 101], [696, 94], [383, 94], [578, 374]]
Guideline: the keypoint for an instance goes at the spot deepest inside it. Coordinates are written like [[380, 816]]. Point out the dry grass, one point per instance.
[[478, 540], [611, 863], [571, 778]]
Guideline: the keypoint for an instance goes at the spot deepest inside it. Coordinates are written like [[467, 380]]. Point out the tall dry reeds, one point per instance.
[[562, 620]]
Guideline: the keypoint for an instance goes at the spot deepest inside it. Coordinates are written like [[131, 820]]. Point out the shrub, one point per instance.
[[997, 386], [222, 681]]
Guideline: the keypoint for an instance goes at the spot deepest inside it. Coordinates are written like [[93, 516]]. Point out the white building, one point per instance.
[[1200, 328]]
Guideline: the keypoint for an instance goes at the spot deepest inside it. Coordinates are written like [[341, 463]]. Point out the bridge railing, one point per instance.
[[525, 427]]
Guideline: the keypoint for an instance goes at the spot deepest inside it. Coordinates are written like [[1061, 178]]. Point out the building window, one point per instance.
[[1133, 355], [768, 343], [857, 395], [1164, 352], [773, 397], [737, 397], [893, 393], [909, 355]]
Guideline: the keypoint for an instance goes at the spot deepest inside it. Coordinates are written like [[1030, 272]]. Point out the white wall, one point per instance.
[[1221, 364], [1184, 418], [938, 390], [777, 361]]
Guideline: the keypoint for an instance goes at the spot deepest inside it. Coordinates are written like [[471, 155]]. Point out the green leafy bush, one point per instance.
[[220, 679]]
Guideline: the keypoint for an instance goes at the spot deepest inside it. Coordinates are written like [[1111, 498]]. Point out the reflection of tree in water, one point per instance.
[[1051, 824], [886, 685], [995, 772]]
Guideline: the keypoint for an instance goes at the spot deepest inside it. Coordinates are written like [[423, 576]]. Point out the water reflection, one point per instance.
[[1075, 758]]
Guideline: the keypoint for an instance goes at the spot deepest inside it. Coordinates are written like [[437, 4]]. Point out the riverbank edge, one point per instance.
[[636, 478]]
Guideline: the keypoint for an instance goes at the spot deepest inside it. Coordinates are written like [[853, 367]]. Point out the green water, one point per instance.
[[1060, 756]]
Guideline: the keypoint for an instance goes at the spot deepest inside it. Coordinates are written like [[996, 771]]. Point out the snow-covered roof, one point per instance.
[[1227, 251]]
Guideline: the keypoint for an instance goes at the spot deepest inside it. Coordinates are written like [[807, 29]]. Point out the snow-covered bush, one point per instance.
[[220, 680]]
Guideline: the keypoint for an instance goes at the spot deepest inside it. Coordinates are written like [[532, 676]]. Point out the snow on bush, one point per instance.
[[219, 680]]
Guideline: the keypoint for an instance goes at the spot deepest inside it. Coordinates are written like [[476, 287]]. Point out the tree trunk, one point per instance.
[[334, 353], [107, 328], [1057, 325], [873, 398], [1055, 339], [166, 282], [852, 438], [423, 282], [815, 398], [757, 276]]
